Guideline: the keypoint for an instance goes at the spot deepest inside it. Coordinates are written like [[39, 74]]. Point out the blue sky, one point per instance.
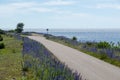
[[72, 14]]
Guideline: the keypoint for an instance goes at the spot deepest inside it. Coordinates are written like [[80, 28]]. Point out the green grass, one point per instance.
[[104, 58], [10, 59]]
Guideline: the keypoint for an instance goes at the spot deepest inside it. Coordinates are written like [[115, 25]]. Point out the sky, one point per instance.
[[60, 14]]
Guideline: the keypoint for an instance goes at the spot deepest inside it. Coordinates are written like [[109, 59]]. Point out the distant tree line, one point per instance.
[[2, 31]]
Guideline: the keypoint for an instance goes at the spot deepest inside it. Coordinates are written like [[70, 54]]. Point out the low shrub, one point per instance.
[[2, 31], [1, 38], [74, 38], [90, 43], [103, 45], [2, 45]]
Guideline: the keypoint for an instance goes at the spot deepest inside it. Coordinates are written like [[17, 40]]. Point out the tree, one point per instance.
[[74, 38], [19, 28]]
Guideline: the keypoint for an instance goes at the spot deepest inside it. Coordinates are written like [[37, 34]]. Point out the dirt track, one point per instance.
[[89, 67]]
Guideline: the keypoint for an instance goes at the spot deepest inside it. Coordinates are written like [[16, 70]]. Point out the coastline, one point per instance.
[[108, 35]]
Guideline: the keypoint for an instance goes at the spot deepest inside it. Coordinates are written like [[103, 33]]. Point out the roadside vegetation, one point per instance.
[[41, 64], [105, 51], [24, 59], [11, 54], [10, 58]]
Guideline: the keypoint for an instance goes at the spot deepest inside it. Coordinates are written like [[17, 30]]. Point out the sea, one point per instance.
[[83, 35]]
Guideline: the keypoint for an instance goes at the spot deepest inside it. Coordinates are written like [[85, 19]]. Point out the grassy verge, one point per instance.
[[99, 56], [10, 59], [104, 58]]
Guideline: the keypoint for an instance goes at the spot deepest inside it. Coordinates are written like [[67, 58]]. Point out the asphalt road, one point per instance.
[[90, 68]]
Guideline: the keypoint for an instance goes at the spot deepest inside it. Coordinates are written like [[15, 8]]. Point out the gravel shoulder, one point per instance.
[[90, 68]]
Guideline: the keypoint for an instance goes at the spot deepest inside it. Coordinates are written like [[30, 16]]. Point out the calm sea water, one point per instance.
[[87, 35], [91, 36]]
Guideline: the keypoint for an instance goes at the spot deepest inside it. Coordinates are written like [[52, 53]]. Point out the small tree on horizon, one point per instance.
[[74, 38], [19, 28]]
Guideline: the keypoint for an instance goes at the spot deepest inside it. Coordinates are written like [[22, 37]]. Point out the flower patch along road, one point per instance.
[[89, 67]]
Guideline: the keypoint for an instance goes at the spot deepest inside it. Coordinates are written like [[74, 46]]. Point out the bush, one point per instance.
[[19, 28], [74, 38], [103, 45], [1, 38], [2, 31], [11, 31], [89, 43], [2, 45]]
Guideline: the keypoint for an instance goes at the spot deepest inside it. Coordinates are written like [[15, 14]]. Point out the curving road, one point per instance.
[[90, 68]]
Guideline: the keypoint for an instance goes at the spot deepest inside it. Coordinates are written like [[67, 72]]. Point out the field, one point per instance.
[[10, 59]]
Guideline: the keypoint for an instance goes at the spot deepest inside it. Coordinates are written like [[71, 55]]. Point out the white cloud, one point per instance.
[[15, 7], [23, 7], [113, 6], [58, 3], [40, 9], [102, 6], [81, 14]]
